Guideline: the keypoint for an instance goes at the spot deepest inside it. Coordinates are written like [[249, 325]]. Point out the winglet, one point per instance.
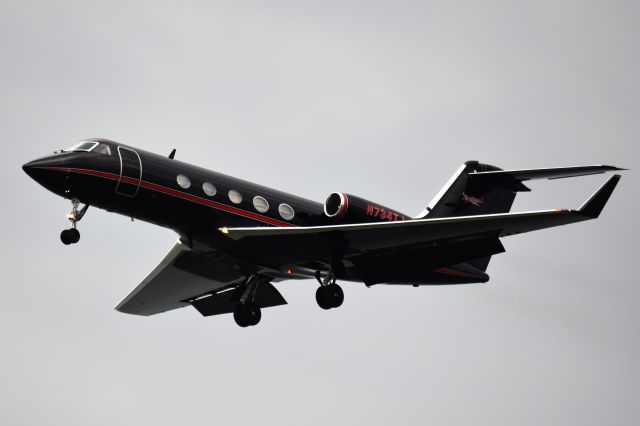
[[594, 205]]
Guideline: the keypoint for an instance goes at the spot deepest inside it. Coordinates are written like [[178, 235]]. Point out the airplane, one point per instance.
[[237, 238]]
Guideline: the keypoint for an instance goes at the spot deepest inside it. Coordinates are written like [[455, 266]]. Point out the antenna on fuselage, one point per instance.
[[173, 154]]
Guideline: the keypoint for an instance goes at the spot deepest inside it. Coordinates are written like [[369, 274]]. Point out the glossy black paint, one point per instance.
[[148, 191], [58, 173]]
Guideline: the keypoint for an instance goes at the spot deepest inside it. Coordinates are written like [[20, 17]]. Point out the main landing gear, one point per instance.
[[248, 313], [72, 235], [329, 294]]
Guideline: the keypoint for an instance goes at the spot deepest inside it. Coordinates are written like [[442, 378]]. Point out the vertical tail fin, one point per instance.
[[462, 196], [478, 189], [465, 196]]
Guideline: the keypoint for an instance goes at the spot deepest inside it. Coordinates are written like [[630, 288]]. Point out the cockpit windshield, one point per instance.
[[83, 146], [90, 146]]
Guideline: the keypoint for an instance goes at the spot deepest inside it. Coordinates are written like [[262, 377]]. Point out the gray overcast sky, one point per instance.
[[380, 99]]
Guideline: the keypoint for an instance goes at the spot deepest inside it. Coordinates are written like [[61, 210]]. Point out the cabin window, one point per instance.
[[183, 181], [286, 211], [235, 196], [209, 189], [260, 204]]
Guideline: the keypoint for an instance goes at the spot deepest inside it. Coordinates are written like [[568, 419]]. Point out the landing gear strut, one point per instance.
[[72, 235], [329, 294], [248, 313]]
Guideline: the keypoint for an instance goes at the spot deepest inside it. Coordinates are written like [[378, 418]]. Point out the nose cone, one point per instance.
[[48, 172], [44, 164], [29, 167]]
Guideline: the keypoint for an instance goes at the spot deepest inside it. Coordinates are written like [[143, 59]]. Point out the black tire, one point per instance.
[[74, 235], [321, 297], [252, 314], [65, 237], [334, 295], [239, 317]]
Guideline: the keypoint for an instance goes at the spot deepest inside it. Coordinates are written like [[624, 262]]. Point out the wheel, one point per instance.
[[65, 237], [321, 297], [74, 234], [334, 295], [252, 313], [246, 315], [238, 317]]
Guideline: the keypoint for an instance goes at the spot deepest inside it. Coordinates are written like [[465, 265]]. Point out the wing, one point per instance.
[[304, 243], [185, 276]]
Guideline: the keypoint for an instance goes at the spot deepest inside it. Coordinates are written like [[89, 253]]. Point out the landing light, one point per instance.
[[224, 230]]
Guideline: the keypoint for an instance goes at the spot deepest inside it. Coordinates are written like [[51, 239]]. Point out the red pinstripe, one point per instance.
[[174, 193]]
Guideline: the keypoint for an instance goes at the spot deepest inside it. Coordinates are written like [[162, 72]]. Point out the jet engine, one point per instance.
[[347, 208]]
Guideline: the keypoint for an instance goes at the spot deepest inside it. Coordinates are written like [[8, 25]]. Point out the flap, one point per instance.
[[226, 301]]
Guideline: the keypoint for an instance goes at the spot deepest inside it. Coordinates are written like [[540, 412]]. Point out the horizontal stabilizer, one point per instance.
[[513, 179]]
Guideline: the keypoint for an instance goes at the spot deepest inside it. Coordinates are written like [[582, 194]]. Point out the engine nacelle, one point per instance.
[[348, 208]]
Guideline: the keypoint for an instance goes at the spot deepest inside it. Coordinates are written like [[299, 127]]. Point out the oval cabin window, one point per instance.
[[183, 181], [235, 196], [209, 189], [260, 204], [286, 211]]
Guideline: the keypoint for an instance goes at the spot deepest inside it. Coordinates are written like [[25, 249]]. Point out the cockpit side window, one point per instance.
[[83, 146], [103, 149]]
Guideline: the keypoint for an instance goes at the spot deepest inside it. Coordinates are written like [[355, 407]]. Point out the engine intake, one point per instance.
[[347, 208]]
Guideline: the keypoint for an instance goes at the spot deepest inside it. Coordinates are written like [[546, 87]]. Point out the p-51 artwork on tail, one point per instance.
[[237, 238]]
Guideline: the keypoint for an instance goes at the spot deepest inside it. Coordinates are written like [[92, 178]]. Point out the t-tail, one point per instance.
[[481, 189]]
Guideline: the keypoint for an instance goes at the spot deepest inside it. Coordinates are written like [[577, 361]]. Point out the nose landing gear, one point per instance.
[[72, 235], [329, 294]]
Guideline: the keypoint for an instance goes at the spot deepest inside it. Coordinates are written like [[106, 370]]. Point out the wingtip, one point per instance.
[[594, 205]]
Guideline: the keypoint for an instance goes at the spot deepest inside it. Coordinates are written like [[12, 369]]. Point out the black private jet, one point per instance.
[[237, 238]]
